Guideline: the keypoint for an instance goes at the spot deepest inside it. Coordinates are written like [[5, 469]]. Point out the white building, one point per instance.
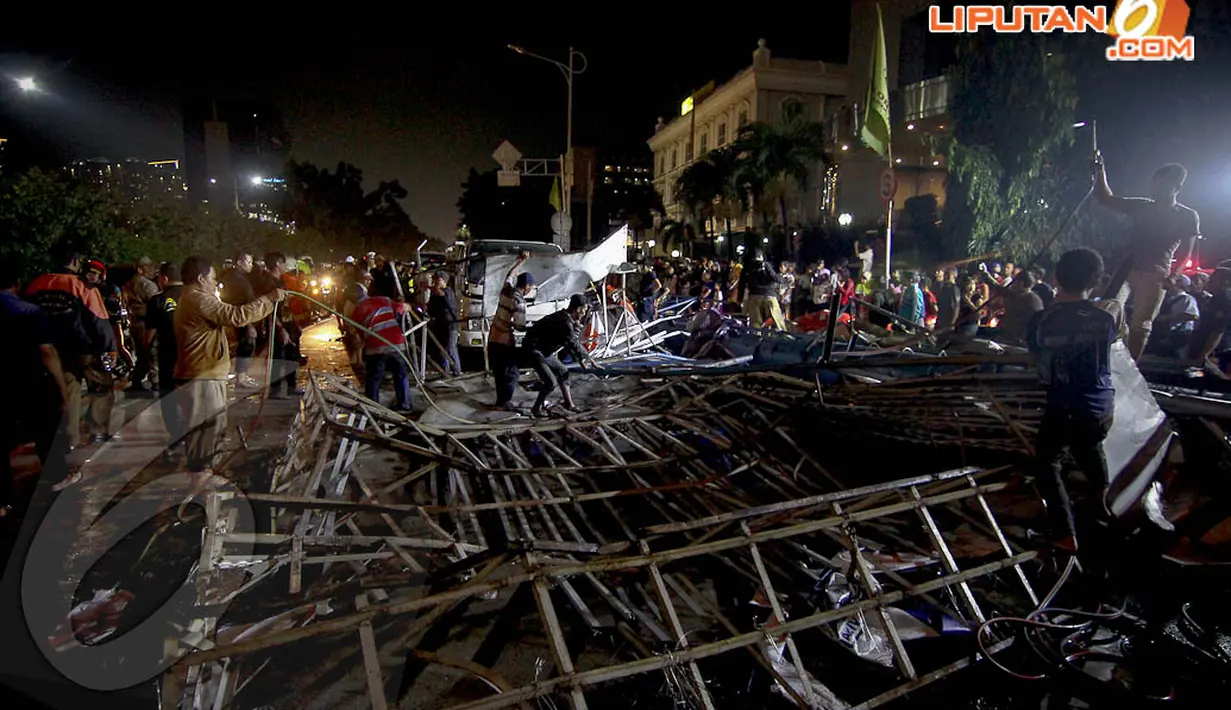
[[713, 117]]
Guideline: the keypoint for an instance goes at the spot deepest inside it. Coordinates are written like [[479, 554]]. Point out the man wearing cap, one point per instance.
[[549, 336], [137, 292], [501, 342]]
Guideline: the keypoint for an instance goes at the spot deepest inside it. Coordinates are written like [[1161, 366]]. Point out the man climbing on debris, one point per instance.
[[550, 335], [1164, 232], [501, 341], [1072, 343]]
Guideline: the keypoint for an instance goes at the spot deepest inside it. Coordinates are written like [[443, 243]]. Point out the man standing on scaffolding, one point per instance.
[[501, 342], [1163, 229]]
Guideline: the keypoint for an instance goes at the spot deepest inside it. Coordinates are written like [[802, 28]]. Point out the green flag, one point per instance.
[[555, 195], [875, 129]]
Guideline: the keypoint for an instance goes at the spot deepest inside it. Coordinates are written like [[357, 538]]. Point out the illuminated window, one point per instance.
[[743, 115], [722, 134]]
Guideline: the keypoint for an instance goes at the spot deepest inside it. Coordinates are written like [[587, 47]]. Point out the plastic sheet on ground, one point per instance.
[[774, 650]]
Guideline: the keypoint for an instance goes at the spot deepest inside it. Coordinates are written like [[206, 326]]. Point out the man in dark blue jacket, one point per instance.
[[556, 333]]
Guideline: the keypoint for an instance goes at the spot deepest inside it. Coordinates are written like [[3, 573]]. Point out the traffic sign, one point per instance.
[[561, 224], [888, 184], [508, 178], [507, 156]]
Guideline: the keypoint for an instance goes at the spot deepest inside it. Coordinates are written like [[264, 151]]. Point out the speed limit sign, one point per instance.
[[889, 184]]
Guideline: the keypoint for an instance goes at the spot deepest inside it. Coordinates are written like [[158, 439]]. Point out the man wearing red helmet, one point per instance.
[[81, 330]]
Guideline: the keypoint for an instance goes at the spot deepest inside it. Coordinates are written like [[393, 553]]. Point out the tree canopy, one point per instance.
[[331, 208], [40, 210], [1013, 174], [773, 159]]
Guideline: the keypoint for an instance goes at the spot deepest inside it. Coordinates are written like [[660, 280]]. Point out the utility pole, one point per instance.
[[570, 72]]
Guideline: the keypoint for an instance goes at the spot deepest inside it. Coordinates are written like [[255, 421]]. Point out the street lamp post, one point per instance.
[[570, 71]]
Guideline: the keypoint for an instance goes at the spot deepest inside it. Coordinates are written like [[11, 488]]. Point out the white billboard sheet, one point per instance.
[[1137, 418], [557, 276]]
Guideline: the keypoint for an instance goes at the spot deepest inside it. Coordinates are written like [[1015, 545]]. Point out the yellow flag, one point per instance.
[[555, 195], [875, 129]]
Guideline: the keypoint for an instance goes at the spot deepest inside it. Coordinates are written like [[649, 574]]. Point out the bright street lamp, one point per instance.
[[257, 180], [27, 84], [845, 219]]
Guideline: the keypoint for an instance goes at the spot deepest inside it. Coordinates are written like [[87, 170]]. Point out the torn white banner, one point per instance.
[[557, 276]]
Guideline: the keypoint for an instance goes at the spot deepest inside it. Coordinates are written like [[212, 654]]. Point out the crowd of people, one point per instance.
[[169, 330], [995, 301]]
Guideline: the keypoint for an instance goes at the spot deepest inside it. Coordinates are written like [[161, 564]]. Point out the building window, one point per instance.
[[674, 162], [688, 152], [722, 134], [743, 115], [705, 142], [662, 163]]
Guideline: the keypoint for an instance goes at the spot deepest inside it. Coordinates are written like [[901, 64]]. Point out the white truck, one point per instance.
[[474, 277], [557, 276]]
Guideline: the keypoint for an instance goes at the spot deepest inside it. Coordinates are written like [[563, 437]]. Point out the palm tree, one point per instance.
[[671, 232], [731, 199], [698, 186], [773, 158]]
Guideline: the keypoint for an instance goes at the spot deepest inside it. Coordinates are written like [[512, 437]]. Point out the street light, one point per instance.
[[570, 71], [845, 219], [257, 180], [27, 84]]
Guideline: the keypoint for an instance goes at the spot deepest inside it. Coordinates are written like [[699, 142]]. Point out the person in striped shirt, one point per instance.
[[384, 347], [501, 342]]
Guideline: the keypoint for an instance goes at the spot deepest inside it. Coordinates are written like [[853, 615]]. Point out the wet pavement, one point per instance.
[[70, 545]]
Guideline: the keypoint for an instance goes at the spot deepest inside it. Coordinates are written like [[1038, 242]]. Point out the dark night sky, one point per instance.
[[424, 111]]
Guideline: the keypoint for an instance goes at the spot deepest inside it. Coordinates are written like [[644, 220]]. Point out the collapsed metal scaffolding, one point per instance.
[[969, 401], [638, 535]]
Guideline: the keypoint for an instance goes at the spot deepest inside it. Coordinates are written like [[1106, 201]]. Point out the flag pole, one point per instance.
[[889, 220]]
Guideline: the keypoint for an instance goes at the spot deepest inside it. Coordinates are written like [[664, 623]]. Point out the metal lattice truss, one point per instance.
[[635, 540], [959, 403]]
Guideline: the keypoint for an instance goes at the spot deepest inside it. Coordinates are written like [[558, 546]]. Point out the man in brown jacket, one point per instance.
[[204, 362]]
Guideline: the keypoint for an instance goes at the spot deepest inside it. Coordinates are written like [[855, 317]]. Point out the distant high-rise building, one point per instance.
[[133, 180], [232, 149]]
